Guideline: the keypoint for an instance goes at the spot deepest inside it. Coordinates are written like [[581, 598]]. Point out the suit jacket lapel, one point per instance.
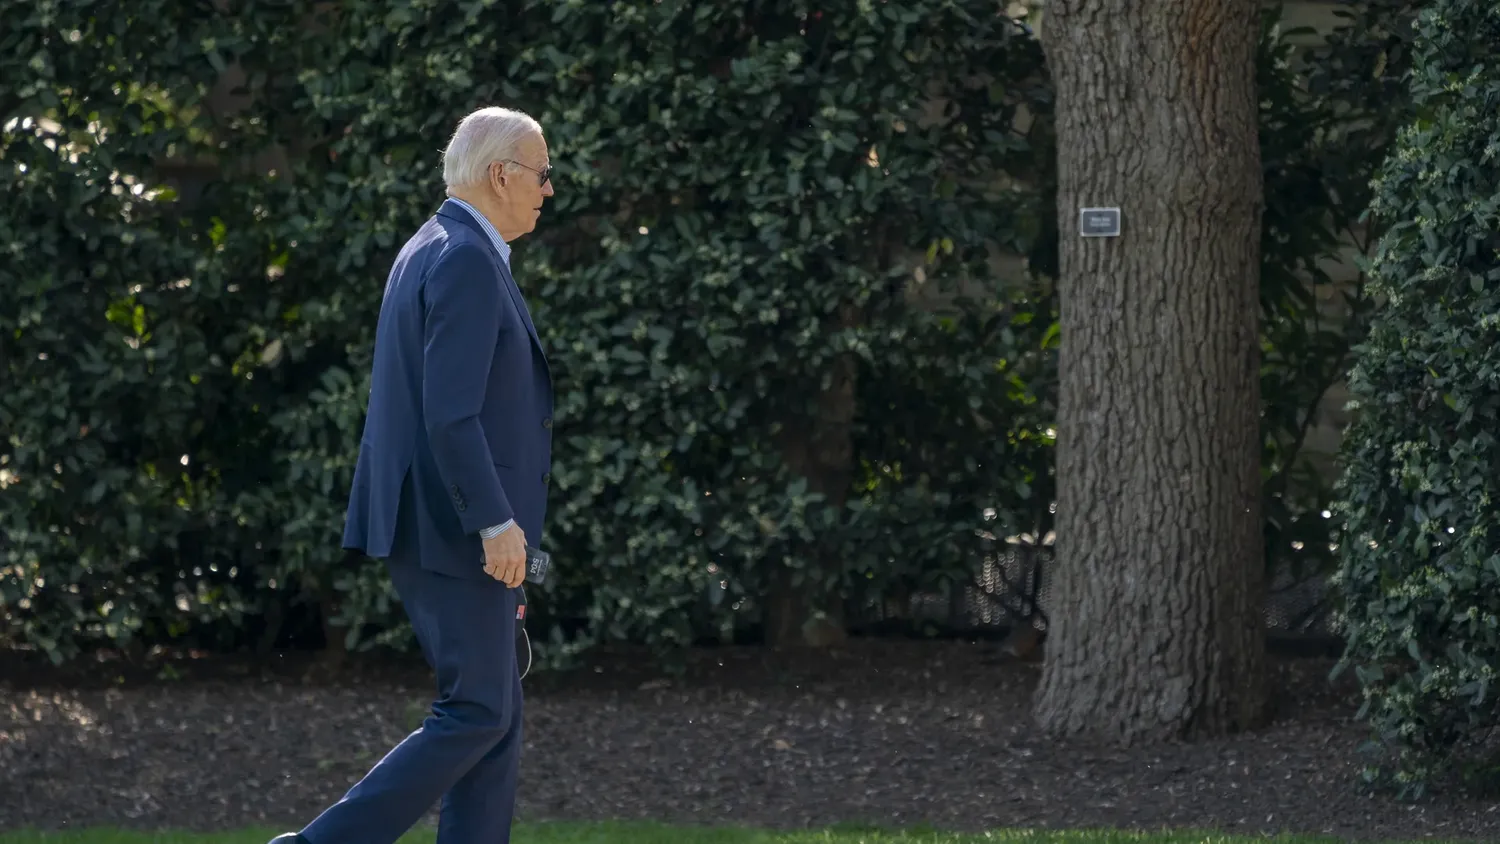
[[454, 211], [515, 294]]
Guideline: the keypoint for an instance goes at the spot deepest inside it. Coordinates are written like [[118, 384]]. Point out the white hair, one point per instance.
[[482, 138]]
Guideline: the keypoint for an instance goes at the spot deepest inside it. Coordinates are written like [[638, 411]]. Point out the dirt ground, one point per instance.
[[885, 733]]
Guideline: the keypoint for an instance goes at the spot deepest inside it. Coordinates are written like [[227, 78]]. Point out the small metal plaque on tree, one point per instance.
[[1099, 222]]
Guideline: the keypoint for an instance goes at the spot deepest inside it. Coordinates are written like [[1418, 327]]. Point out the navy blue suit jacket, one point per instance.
[[460, 411]]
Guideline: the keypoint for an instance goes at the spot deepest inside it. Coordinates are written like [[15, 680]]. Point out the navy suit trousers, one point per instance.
[[467, 752]]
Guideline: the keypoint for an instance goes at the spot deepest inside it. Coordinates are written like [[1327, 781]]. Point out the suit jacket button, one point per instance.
[[456, 494], [547, 423], [547, 479]]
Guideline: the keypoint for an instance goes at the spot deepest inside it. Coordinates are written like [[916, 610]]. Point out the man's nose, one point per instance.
[[547, 188]]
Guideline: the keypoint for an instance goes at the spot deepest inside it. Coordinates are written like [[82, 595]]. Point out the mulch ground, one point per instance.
[[884, 733]]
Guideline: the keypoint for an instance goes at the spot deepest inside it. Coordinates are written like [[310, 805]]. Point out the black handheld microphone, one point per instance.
[[537, 564]]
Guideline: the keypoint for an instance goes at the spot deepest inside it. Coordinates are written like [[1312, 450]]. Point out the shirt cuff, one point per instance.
[[496, 530]]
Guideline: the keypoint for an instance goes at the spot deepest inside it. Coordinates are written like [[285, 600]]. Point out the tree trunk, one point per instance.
[[1159, 587], [821, 449]]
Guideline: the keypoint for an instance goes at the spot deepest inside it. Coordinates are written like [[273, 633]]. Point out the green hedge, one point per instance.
[[760, 431], [750, 409], [1421, 553]]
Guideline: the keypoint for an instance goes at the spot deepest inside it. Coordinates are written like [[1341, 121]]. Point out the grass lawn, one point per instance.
[[635, 833]]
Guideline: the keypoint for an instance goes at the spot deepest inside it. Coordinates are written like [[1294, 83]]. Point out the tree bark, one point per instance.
[[1158, 631]]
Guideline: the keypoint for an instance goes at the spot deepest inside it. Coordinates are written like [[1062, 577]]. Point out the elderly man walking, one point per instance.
[[451, 481]]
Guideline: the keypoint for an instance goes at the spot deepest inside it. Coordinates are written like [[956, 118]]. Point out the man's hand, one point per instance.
[[505, 556]]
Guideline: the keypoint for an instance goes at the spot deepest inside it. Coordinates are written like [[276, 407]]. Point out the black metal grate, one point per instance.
[[997, 596]]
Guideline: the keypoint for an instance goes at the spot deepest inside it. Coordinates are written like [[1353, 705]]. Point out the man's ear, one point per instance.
[[497, 175]]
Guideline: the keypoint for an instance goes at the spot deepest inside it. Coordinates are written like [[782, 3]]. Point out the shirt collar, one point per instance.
[[500, 245]]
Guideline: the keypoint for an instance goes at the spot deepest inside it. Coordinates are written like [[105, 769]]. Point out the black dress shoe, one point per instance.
[[289, 838]]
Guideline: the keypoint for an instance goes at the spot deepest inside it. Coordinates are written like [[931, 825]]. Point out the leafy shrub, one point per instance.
[[755, 208], [1420, 563]]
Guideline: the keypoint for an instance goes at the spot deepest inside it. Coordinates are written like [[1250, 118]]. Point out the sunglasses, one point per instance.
[[544, 175]]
